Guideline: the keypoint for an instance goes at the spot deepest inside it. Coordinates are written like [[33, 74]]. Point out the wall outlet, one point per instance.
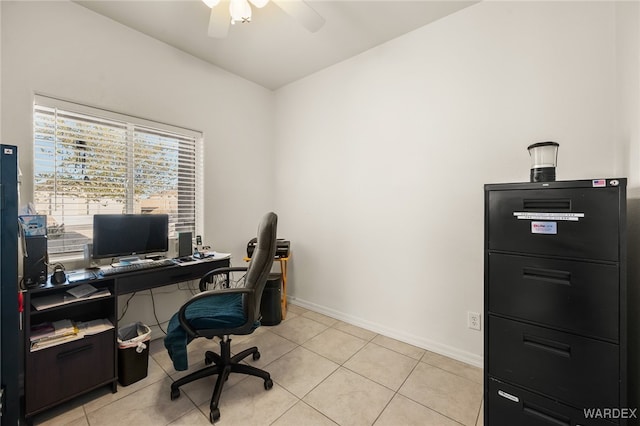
[[473, 321]]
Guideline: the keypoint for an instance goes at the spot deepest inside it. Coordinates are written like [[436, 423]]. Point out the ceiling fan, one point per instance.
[[240, 11]]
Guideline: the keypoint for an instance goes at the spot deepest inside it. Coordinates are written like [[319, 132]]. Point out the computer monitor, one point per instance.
[[120, 235]]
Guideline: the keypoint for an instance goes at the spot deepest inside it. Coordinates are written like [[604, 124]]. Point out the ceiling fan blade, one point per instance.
[[303, 13], [219, 20]]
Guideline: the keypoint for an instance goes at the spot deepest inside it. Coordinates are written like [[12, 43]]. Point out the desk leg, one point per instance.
[[283, 270]]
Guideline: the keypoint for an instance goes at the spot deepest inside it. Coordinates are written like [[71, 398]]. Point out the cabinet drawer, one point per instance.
[[594, 236], [61, 372], [579, 296], [579, 371], [509, 405]]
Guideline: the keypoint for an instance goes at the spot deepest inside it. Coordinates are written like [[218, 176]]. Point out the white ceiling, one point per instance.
[[274, 49]]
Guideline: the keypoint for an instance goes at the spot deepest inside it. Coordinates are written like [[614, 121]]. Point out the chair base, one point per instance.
[[223, 365]]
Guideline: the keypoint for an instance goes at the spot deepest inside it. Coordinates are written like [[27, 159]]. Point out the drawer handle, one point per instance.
[[547, 275], [547, 416], [551, 204], [72, 352], [555, 348]]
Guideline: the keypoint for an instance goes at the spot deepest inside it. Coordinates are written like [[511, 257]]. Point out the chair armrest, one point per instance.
[[225, 270], [205, 278]]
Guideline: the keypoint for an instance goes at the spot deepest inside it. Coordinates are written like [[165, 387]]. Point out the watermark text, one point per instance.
[[610, 413]]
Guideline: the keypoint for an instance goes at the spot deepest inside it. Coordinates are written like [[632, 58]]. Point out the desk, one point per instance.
[[283, 269], [59, 373], [158, 277]]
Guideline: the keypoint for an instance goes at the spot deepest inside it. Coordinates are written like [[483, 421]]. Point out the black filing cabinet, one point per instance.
[[555, 304]]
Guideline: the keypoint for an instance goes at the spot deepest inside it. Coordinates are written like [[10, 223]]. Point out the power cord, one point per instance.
[[153, 303], [126, 306]]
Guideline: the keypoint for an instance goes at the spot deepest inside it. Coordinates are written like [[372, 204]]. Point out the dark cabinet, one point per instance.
[[63, 371], [556, 347], [9, 325]]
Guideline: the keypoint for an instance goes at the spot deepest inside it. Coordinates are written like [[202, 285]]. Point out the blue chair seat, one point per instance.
[[222, 311]]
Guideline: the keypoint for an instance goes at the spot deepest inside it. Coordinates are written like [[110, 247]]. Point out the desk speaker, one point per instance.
[[185, 244]]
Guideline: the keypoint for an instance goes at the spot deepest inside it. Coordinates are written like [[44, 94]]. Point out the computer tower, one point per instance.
[[270, 304], [34, 261]]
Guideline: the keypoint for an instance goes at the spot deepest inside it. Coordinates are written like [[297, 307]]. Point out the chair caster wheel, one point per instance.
[[214, 415], [268, 384], [256, 356], [175, 393]]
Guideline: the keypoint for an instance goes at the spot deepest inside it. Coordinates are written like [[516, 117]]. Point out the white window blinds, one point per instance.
[[89, 161]]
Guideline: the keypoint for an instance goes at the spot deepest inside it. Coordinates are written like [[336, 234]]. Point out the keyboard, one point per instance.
[[132, 267]]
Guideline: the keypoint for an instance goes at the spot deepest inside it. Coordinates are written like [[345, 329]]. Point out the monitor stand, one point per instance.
[[129, 260]]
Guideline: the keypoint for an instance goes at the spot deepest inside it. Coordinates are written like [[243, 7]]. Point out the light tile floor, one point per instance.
[[325, 372]]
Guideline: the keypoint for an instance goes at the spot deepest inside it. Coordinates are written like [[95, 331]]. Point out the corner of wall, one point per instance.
[[627, 63]]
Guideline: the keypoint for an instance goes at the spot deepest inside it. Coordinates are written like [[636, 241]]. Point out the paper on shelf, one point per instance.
[[46, 302], [70, 333], [96, 326], [54, 341], [41, 330], [82, 290]]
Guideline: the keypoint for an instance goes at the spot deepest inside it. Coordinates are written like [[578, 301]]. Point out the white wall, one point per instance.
[[62, 49], [381, 159], [628, 92]]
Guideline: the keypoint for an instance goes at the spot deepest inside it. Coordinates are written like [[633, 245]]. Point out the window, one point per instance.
[[89, 161]]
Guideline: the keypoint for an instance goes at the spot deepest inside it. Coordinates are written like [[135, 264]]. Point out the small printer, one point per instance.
[[282, 247]]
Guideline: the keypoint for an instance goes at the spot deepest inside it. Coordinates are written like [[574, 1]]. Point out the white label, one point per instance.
[[8, 151], [572, 217], [544, 227], [508, 396]]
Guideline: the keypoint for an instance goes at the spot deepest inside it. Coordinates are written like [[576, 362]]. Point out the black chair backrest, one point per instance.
[[262, 259]]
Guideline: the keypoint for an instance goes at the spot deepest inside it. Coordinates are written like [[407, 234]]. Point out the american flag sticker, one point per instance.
[[598, 183]]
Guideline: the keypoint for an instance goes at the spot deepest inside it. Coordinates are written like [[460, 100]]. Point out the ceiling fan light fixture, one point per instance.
[[259, 3], [240, 11], [211, 3]]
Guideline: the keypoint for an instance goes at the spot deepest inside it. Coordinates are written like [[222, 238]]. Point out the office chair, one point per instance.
[[222, 313]]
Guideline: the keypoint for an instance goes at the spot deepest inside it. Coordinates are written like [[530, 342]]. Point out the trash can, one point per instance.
[[270, 306], [133, 352]]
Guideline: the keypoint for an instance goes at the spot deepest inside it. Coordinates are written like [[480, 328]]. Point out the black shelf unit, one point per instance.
[[59, 373], [556, 336]]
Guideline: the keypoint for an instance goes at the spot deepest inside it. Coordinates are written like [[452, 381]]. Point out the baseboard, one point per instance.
[[430, 345]]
